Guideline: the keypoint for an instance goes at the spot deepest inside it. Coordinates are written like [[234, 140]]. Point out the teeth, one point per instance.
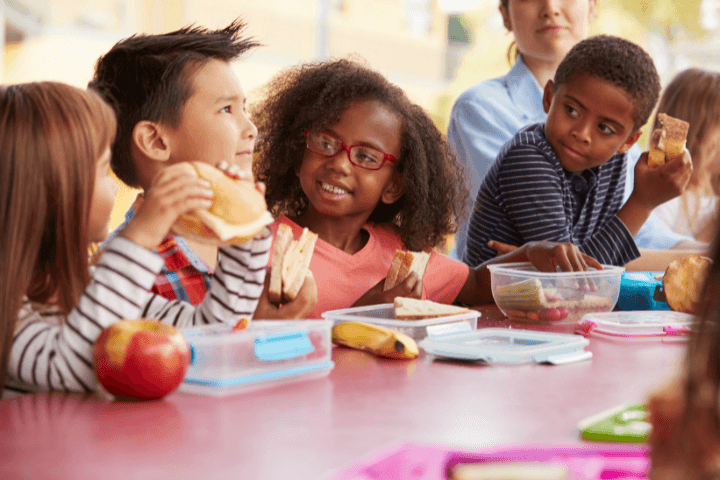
[[332, 189]]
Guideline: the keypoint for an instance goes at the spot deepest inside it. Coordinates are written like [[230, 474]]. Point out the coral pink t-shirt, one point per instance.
[[343, 278]]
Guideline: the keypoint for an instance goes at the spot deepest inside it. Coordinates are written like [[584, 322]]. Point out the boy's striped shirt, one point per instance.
[[528, 196]]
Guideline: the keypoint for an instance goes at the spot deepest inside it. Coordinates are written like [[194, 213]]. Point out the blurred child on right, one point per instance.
[[685, 410], [694, 96]]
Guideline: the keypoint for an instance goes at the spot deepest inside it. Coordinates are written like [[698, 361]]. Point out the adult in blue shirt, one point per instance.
[[488, 114]]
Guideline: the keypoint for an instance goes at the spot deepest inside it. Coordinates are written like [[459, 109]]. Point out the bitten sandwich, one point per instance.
[[402, 264], [290, 263], [667, 141], [238, 212], [414, 309]]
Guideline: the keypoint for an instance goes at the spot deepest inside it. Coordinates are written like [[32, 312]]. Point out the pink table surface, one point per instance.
[[319, 428]]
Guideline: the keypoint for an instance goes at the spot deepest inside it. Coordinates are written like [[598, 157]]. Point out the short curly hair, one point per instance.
[[149, 77], [313, 96], [618, 61]]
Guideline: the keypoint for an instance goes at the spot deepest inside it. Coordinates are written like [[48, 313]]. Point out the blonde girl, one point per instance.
[[55, 200], [693, 95]]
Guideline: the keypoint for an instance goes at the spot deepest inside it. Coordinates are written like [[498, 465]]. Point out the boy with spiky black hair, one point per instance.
[[177, 99], [563, 180]]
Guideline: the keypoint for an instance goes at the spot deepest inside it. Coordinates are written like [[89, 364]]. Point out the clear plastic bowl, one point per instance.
[[525, 294]]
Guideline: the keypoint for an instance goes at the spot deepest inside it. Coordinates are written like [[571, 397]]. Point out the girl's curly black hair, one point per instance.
[[312, 96]]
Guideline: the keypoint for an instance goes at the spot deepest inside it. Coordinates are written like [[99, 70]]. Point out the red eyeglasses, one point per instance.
[[359, 155]]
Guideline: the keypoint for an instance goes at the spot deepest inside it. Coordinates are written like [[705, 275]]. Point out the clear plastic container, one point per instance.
[[525, 294], [384, 314], [268, 352], [653, 324]]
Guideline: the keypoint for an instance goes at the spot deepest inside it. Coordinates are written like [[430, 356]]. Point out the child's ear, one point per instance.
[[547, 96], [150, 139], [630, 141], [506, 18], [394, 190]]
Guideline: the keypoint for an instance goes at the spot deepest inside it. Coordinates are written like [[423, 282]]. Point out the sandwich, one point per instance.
[[667, 141], [237, 214], [402, 264], [290, 263], [414, 309]]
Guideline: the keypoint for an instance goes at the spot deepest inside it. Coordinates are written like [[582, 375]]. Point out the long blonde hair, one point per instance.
[[693, 95], [51, 136]]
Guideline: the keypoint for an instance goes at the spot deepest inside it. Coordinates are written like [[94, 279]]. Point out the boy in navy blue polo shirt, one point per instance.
[[563, 180]]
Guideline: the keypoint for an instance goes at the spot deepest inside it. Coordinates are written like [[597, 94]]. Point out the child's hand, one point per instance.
[[410, 287], [549, 256], [657, 185], [502, 248], [299, 308], [175, 191]]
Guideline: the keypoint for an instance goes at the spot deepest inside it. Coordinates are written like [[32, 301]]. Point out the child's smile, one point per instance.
[[589, 120], [334, 185], [336, 192]]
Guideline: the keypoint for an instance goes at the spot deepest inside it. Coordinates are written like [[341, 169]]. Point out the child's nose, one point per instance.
[[247, 127], [581, 132], [341, 161]]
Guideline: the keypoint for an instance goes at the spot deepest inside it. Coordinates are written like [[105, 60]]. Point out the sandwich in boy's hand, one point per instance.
[[667, 141], [414, 309], [402, 264], [238, 212], [290, 263]]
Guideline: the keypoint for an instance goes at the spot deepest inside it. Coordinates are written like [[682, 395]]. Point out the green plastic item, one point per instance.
[[625, 423]]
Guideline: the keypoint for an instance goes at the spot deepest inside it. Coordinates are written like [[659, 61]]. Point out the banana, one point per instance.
[[375, 339]]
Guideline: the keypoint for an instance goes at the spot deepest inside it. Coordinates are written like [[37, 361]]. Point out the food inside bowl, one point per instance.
[[528, 299]]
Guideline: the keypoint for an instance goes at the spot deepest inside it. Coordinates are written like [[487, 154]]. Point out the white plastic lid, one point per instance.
[[503, 345], [651, 323]]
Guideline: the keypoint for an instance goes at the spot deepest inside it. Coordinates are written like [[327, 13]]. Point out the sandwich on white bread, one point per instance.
[[402, 264], [290, 263], [414, 309], [668, 140]]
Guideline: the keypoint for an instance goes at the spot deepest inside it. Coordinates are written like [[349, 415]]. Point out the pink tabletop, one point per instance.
[[317, 428]]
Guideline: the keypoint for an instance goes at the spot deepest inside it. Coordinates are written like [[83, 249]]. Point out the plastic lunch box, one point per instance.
[[384, 314], [266, 353]]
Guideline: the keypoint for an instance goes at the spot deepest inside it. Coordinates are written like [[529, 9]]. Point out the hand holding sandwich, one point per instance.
[[297, 308], [655, 186], [175, 191], [411, 287]]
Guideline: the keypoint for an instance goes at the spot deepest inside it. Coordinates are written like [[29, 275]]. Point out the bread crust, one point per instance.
[[283, 237], [403, 263], [391, 278], [415, 309]]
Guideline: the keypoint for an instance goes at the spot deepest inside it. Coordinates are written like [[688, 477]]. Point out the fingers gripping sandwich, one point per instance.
[[238, 212], [402, 264]]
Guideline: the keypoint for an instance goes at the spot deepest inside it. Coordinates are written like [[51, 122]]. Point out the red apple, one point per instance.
[[143, 359]]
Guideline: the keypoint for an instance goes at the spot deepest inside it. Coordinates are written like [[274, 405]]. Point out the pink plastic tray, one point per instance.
[[410, 461]]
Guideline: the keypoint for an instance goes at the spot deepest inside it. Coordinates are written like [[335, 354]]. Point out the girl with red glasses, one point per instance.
[[346, 154]]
